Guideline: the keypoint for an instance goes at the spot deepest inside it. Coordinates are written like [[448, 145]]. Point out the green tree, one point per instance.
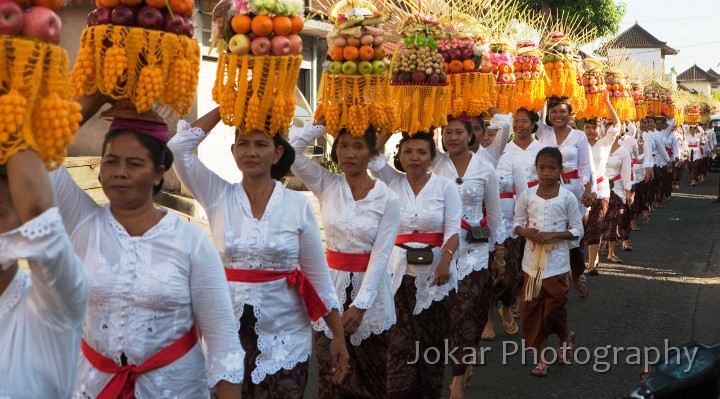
[[604, 15], [715, 94]]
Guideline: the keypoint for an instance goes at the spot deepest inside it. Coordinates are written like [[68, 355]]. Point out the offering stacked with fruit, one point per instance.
[[464, 45], [170, 16], [593, 78], [636, 92], [559, 65], [35, 89], [264, 27], [38, 21], [652, 98], [693, 114], [355, 43], [502, 59], [417, 58], [529, 74], [617, 84]]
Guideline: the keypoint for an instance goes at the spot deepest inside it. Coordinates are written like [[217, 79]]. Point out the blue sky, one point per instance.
[[691, 26]]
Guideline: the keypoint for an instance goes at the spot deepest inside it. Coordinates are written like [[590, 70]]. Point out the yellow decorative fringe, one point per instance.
[[595, 108], [561, 82], [418, 108], [654, 108], [507, 98], [531, 94], [471, 93], [257, 93], [35, 107], [624, 107], [135, 64], [641, 110], [356, 102], [577, 100]]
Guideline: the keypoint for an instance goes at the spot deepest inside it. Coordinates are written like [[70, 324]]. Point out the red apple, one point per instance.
[[42, 23], [150, 18], [173, 23], [189, 28], [123, 15], [11, 18], [296, 44], [239, 44], [99, 16], [260, 46], [280, 45]]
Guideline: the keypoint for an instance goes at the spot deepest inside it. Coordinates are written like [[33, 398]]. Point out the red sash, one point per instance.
[[616, 178], [508, 195], [122, 384], [465, 225], [357, 263], [635, 162], [434, 239], [313, 304], [533, 183], [600, 179], [669, 151], [574, 174]]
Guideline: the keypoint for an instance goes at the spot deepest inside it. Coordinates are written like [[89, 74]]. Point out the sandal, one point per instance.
[[604, 248], [510, 328], [614, 259], [645, 217], [488, 336], [515, 313], [626, 246], [540, 370], [566, 353], [580, 287], [593, 271]]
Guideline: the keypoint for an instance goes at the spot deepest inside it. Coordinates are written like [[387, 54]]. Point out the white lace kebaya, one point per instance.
[[367, 226], [436, 209], [285, 237], [145, 293], [479, 183], [41, 316]]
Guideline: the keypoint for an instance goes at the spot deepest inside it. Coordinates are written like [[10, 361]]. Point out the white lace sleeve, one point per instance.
[[382, 248], [521, 212], [453, 210], [492, 207], [496, 148], [314, 176], [60, 288], [505, 173], [206, 186], [75, 204], [313, 262], [585, 162], [382, 169], [212, 308], [519, 179], [575, 225]]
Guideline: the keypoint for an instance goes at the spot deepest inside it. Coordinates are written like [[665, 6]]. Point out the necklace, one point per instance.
[[550, 193]]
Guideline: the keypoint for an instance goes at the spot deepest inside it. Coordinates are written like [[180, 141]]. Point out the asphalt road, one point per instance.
[[667, 293]]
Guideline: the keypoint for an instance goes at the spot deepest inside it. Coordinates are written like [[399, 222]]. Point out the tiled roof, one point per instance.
[[637, 37], [695, 73], [713, 74]]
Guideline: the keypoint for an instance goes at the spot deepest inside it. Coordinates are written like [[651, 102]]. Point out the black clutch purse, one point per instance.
[[478, 234], [418, 256]]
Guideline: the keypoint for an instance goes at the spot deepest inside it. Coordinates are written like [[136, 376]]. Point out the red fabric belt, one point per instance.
[[122, 384], [465, 225], [669, 151], [357, 263], [600, 179], [313, 304], [533, 183], [434, 239], [616, 178], [635, 162], [574, 174], [692, 145], [509, 195]]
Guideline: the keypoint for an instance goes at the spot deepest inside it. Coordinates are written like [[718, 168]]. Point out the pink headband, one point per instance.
[[155, 130]]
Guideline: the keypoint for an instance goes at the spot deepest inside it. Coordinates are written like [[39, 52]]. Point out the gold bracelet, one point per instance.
[[452, 254]]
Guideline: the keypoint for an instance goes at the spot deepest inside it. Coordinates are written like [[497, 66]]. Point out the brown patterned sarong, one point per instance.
[[546, 314], [426, 331], [616, 227], [367, 376], [285, 384], [468, 317], [640, 203], [593, 221]]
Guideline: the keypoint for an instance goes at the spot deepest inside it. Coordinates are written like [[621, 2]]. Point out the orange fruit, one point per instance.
[[559, 65], [240, 23], [616, 87], [351, 53], [190, 7], [261, 25], [379, 53], [98, 3], [526, 67], [336, 54], [282, 26], [517, 66], [297, 24], [177, 6], [129, 3], [51, 4], [505, 68], [549, 66], [567, 65], [367, 53], [536, 67], [456, 66], [468, 65], [486, 68], [152, 3], [114, 3], [495, 68]]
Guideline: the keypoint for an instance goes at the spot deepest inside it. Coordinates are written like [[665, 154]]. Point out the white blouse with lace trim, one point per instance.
[[479, 183], [285, 237], [354, 227], [554, 215], [619, 163], [600, 152], [41, 316], [145, 293], [436, 209], [511, 176]]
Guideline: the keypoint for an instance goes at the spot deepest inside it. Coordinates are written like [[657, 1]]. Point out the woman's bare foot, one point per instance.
[[456, 387]]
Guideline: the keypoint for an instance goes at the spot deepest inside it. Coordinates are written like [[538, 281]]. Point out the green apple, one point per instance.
[[409, 41], [349, 67], [379, 67], [420, 41], [336, 67], [365, 68], [432, 43]]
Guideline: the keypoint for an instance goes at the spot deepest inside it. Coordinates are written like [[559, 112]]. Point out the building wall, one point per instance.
[[701, 86], [644, 56]]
